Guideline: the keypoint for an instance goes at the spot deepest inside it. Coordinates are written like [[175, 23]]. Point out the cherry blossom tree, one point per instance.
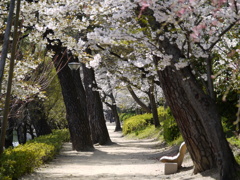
[[179, 35], [175, 41]]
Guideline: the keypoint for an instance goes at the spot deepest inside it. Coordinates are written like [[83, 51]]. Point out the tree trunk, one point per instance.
[[206, 110], [153, 105], [9, 133], [95, 109], [197, 118], [22, 133], [209, 77], [115, 113], [116, 118], [189, 124], [113, 106], [74, 98]]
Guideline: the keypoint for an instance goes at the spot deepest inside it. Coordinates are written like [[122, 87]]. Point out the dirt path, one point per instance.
[[124, 160]]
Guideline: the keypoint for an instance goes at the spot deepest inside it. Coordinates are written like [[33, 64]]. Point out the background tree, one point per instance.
[[97, 121], [109, 99], [74, 98]]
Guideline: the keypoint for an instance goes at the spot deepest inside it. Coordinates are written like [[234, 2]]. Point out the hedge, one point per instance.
[[23, 159], [139, 122], [136, 123]]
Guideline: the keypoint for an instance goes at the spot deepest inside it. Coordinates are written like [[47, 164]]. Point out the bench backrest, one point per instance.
[[176, 159]]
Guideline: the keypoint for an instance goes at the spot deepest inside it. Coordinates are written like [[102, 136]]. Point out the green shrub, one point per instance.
[[234, 141], [23, 159], [140, 122], [136, 123], [162, 113], [228, 127], [170, 129]]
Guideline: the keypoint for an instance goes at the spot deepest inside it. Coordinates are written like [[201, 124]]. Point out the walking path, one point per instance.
[[124, 160]]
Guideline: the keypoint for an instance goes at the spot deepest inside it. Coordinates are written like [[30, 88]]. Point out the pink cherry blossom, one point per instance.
[[144, 4]]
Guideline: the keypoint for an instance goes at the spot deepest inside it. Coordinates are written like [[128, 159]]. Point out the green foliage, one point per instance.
[[235, 142], [136, 123], [124, 116], [54, 103], [23, 159], [170, 129], [227, 127], [163, 113], [139, 123], [176, 141]]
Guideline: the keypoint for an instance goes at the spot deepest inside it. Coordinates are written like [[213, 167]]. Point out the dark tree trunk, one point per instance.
[[153, 105], [22, 133], [95, 109], [113, 107], [9, 133], [74, 98], [190, 126], [116, 118], [35, 110], [209, 78], [207, 113], [197, 118]]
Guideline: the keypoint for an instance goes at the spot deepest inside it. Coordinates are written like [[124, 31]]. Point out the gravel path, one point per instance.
[[124, 160]]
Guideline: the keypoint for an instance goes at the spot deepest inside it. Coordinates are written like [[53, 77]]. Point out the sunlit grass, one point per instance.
[[147, 133]]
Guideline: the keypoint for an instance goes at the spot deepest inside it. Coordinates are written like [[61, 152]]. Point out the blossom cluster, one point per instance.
[[128, 34]]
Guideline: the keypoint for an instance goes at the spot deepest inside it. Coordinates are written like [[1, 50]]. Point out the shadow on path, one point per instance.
[[125, 159]]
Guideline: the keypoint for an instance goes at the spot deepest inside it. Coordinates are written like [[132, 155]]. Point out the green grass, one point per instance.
[[147, 133]]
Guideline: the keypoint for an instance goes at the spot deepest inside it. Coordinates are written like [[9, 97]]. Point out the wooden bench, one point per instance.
[[173, 163]]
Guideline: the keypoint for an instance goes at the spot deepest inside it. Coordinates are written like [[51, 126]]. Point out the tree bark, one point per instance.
[[96, 118], [113, 107], [74, 99], [9, 133], [209, 77], [197, 118], [206, 110], [191, 128], [116, 118], [153, 105], [22, 133]]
